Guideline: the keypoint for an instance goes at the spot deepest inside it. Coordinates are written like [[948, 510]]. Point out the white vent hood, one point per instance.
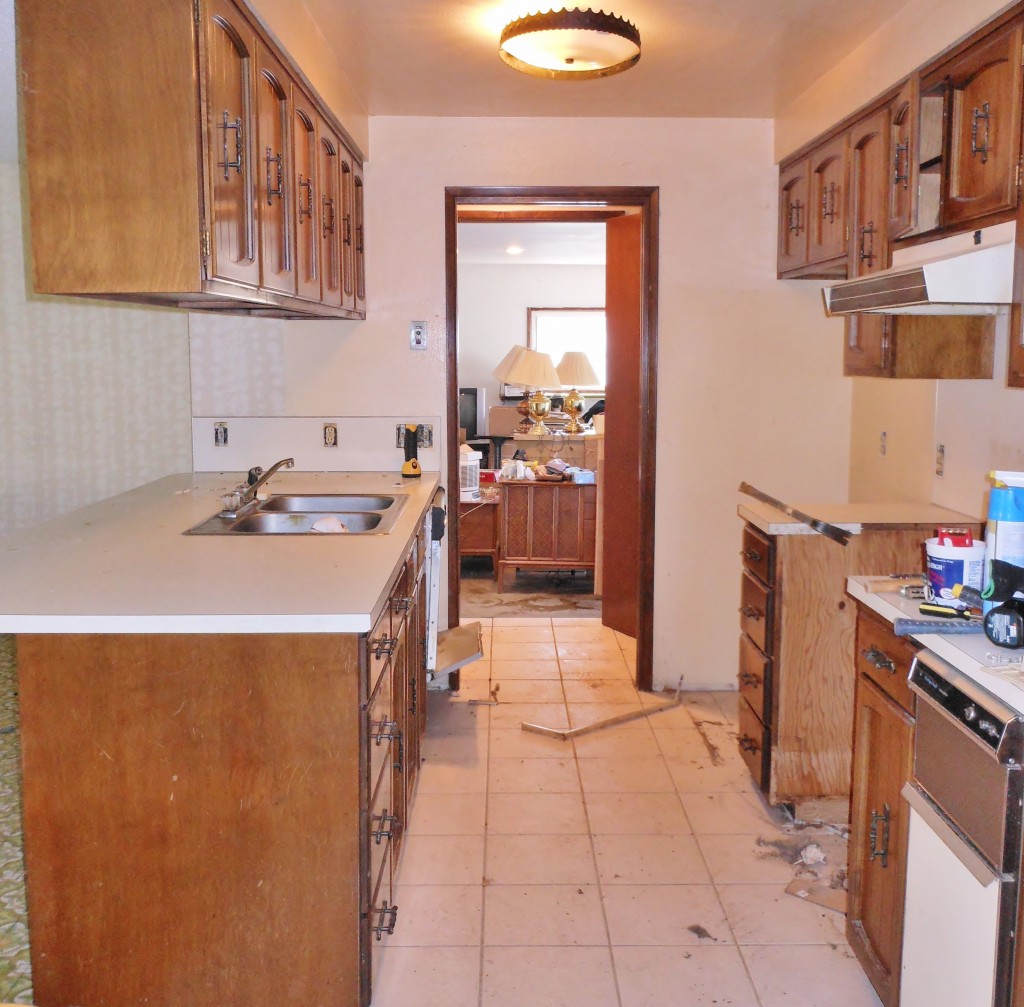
[[953, 276]]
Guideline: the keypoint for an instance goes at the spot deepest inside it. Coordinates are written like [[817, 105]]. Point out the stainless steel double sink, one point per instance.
[[297, 514]]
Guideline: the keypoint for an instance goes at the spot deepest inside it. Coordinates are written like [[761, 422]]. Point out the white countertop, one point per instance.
[[124, 565], [851, 517], [969, 654]]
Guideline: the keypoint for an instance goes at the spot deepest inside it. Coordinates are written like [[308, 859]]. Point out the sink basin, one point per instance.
[[296, 513], [300, 522], [326, 503]]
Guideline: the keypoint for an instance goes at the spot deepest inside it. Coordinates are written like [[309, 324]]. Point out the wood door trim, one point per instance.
[[532, 197]]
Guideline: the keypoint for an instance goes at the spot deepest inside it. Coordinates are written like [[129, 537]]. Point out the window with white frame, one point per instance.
[[556, 331]]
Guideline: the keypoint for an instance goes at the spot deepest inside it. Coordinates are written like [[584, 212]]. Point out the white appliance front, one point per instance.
[[950, 922]]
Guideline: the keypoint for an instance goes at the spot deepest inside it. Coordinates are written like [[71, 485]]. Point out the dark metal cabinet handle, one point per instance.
[[828, 203], [902, 151], [307, 210], [278, 189], [384, 646], [751, 554], [977, 116], [385, 730], [227, 164], [386, 921], [401, 604], [867, 242], [879, 660], [328, 215], [748, 744], [751, 613], [880, 852], [794, 224], [386, 829], [749, 678]]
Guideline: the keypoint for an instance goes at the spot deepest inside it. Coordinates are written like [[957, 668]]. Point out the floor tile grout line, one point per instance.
[[597, 871]]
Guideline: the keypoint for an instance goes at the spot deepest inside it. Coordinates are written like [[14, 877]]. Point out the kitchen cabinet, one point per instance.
[[480, 529], [882, 762], [547, 526], [219, 810], [797, 670], [193, 186], [904, 123], [981, 87], [919, 346], [813, 208]]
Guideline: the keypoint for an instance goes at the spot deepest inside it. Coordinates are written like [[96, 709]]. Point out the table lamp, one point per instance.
[[501, 372], [574, 369], [535, 371]]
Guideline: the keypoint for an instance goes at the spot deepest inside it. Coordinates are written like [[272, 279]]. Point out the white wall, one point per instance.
[[748, 386], [94, 398], [492, 310]]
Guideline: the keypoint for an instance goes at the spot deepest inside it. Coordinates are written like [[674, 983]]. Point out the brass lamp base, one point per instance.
[[540, 406], [573, 405]]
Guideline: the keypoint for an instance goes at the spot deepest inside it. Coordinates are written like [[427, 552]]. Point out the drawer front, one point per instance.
[[758, 552], [383, 825], [754, 740], [382, 732], [381, 909], [756, 612], [753, 677], [885, 658]]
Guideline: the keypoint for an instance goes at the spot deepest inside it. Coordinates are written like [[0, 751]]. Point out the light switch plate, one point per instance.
[[418, 335]]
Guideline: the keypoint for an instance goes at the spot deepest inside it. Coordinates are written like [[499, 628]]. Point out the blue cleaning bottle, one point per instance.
[[1004, 530]]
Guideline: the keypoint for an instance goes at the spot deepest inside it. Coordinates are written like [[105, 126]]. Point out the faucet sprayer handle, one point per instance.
[[254, 474]]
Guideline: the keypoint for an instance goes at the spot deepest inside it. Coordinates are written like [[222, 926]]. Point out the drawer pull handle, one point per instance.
[[748, 744], [386, 922], [879, 660], [401, 604], [750, 679], [751, 554], [979, 115], [385, 730], [902, 152], [751, 613], [882, 853], [386, 829], [384, 646]]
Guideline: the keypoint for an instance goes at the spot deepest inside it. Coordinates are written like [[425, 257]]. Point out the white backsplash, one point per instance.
[[365, 443]]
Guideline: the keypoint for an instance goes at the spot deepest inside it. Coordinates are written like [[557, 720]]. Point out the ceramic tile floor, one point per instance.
[[633, 867]]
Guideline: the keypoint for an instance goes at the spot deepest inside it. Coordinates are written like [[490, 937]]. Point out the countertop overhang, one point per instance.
[[124, 565], [851, 517]]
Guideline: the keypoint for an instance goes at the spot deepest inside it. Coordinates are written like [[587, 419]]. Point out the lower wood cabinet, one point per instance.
[[547, 526], [211, 819], [882, 763]]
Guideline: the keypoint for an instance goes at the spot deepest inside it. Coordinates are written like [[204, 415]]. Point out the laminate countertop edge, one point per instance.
[[124, 565], [852, 517]]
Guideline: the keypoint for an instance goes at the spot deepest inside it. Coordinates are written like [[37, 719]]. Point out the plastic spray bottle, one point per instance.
[[1004, 531]]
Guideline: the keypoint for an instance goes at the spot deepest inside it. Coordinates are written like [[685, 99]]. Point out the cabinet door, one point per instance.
[[307, 197], [828, 201], [360, 236], [516, 521], [985, 121], [793, 210], [904, 116], [330, 215], [867, 348], [883, 756], [348, 229], [230, 47], [274, 185], [869, 175]]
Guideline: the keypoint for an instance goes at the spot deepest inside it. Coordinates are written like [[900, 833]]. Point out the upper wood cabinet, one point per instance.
[[793, 190], [904, 118], [829, 201], [983, 99], [188, 177]]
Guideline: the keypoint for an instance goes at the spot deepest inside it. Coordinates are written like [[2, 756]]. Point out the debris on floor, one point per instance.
[[820, 893]]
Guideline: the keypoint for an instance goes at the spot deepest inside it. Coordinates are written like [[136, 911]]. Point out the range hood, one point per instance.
[[977, 281]]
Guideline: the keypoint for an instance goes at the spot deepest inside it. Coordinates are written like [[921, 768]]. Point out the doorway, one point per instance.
[[637, 272]]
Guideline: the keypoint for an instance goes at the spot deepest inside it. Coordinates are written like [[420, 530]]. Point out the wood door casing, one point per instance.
[[621, 499]]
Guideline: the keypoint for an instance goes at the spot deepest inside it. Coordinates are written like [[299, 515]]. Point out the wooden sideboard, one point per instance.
[[480, 529], [547, 526]]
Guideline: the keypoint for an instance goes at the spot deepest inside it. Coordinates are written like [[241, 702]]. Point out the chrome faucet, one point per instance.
[[258, 478]]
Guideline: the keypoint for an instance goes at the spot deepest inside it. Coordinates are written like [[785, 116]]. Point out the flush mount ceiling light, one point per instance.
[[570, 44]]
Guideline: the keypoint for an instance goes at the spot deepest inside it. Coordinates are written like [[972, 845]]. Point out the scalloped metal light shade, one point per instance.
[[570, 44]]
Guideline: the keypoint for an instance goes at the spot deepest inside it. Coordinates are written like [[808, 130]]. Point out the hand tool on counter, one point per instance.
[[905, 585], [822, 527], [958, 627], [411, 466]]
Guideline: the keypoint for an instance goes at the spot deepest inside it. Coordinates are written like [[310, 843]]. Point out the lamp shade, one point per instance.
[[502, 371], [533, 370], [575, 370]]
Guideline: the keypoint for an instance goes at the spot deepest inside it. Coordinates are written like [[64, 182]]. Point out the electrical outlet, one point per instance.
[[417, 335], [424, 435], [940, 460], [220, 435], [330, 435], [882, 443]]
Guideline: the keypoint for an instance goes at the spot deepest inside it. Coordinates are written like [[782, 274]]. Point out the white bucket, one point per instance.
[[953, 564]]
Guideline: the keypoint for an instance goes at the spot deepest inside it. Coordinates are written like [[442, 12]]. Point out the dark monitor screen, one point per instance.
[[467, 411]]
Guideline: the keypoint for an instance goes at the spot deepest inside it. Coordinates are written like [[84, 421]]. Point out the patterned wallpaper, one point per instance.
[[94, 398]]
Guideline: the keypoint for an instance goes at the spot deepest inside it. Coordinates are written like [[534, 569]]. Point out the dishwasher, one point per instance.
[[964, 847]]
